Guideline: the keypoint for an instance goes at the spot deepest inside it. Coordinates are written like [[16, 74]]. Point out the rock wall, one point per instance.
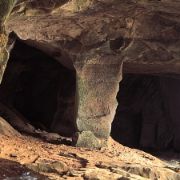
[[5, 10]]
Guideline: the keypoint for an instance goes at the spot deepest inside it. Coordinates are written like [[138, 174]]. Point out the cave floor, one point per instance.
[[59, 161]]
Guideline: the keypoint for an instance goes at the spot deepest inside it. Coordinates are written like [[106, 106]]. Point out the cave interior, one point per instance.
[[147, 116], [40, 89]]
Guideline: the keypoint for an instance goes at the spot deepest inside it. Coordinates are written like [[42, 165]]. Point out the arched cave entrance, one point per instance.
[[41, 89], [147, 116]]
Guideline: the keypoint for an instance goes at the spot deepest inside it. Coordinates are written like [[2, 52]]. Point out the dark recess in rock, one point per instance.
[[116, 43], [148, 112], [41, 89]]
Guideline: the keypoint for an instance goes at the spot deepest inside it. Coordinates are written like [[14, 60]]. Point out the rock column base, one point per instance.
[[89, 140]]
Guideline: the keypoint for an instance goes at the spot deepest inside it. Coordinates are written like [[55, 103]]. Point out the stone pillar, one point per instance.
[[97, 86]]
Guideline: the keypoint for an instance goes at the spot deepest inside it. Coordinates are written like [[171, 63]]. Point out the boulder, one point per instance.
[[7, 129]]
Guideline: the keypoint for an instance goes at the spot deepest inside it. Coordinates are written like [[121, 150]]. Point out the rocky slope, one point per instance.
[[42, 160]]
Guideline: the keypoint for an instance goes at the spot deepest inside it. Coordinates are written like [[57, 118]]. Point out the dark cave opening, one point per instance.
[[41, 89], [117, 43], [147, 116]]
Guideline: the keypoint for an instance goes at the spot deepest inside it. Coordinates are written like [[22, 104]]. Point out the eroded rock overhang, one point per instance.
[[141, 36]]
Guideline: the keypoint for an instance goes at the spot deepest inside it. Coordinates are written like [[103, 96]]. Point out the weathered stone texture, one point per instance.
[[98, 36], [6, 7]]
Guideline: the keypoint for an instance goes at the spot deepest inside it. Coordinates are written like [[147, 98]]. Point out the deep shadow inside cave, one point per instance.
[[41, 89], [147, 116]]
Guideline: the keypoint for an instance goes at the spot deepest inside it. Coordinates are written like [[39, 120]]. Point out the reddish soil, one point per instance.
[[29, 151]]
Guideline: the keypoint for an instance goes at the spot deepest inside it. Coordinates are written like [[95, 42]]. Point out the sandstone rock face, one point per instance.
[[5, 10], [98, 37]]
